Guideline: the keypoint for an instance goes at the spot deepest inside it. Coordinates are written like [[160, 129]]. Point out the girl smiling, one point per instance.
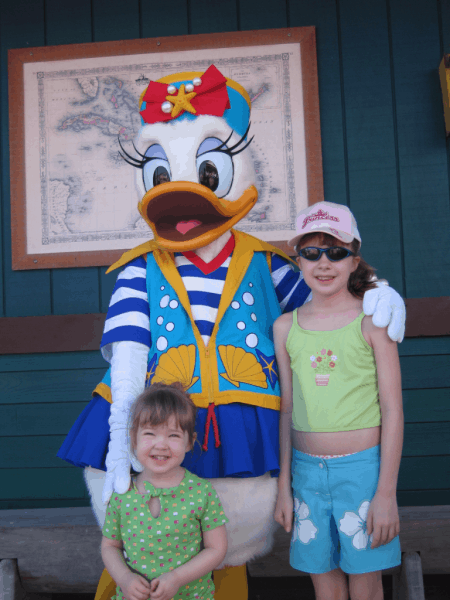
[[341, 417], [162, 520]]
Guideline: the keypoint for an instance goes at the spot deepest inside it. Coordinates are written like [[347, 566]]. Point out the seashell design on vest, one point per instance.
[[323, 363], [241, 367], [177, 364]]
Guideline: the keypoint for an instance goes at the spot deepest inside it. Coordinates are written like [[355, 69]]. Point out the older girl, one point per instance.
[[341, 412]]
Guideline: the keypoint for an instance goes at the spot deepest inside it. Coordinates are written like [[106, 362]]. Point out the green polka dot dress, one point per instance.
[[156, 545]]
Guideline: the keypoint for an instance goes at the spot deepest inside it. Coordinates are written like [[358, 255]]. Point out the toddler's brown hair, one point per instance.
[[157, 404]]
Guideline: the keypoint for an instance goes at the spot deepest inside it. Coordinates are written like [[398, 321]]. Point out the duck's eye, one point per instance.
[[160, 175], [156, 170], [215, 167], [208, 175]]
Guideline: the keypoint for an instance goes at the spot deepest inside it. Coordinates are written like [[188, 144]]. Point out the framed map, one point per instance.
[[73, 197]]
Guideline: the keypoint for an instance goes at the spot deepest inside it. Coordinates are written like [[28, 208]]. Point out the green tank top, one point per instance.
[[335, 385]]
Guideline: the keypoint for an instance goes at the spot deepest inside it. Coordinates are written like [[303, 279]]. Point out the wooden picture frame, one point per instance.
[[22, 257]]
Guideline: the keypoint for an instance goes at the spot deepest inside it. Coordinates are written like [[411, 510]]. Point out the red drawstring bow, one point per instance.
[[211, 99], [211, 416]]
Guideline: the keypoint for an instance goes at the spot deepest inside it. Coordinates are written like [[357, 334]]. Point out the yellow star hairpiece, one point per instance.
[[182, 101]]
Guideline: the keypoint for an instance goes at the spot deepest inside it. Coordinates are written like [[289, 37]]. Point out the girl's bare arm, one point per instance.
[[384, 520], [284, 507]]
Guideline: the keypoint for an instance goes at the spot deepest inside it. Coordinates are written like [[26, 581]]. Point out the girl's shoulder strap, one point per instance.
[[292, 335], [360, 317]]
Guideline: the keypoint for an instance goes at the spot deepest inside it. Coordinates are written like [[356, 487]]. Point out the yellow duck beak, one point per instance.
[[185, 216]]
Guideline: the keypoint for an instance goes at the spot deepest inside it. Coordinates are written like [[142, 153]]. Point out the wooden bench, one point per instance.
[[45, 551]]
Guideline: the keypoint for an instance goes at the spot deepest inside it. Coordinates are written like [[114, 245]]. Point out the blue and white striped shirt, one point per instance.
[[128, 317], [204, 292]]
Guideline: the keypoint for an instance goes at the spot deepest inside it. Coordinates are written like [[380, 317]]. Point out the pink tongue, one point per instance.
[[185, 226]]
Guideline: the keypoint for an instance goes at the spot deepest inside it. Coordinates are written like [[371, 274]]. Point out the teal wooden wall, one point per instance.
[[384, 155]]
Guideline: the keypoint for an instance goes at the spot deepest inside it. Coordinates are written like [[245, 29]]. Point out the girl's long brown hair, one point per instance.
[[362, 279]]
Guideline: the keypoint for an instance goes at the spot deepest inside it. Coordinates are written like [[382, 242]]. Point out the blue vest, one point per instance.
[[238, 365]]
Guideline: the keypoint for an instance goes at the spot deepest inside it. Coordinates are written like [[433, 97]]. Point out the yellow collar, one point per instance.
[[244, 243]]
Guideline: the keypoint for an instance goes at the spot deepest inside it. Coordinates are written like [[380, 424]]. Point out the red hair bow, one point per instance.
[[211, 97]]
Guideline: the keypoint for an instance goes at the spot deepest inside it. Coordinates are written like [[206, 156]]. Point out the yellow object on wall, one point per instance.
[[444, 74]]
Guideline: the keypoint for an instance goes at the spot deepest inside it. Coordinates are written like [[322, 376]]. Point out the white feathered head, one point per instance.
[[194, 175]]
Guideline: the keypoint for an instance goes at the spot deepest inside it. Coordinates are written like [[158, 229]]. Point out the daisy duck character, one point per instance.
[[196, 304]]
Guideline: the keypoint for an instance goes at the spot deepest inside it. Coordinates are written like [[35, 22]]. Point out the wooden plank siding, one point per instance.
[[384, 155], [370, 136], [423, 172]]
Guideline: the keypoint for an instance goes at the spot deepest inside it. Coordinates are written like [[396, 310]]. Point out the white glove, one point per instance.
[[117, 465], [387, 308], [128, 370]]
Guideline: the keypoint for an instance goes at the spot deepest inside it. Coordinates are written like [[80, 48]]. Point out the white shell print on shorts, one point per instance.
[[354, 526], [304, 528]]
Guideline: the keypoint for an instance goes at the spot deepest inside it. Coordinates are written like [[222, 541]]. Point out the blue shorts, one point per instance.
[[331, 501]]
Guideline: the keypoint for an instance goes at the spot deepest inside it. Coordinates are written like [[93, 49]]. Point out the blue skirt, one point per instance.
[[248, 441]]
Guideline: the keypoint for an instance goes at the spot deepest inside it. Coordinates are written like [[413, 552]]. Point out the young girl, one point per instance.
[[168, 512], [340, 379]]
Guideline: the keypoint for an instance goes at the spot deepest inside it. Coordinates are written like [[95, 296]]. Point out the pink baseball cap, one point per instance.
[[326, 217]]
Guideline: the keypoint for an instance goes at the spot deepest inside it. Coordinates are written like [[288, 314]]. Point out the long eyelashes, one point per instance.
[[139, 164], [229, 151], [131, 160], [225, 142], [241, 141]]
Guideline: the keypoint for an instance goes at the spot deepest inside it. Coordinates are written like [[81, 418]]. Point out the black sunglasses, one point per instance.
[[334, 253]]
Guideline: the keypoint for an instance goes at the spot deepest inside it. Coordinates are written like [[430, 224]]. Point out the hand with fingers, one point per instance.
[[284, 509], [135, 587], [164, 587], [383, 522]]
